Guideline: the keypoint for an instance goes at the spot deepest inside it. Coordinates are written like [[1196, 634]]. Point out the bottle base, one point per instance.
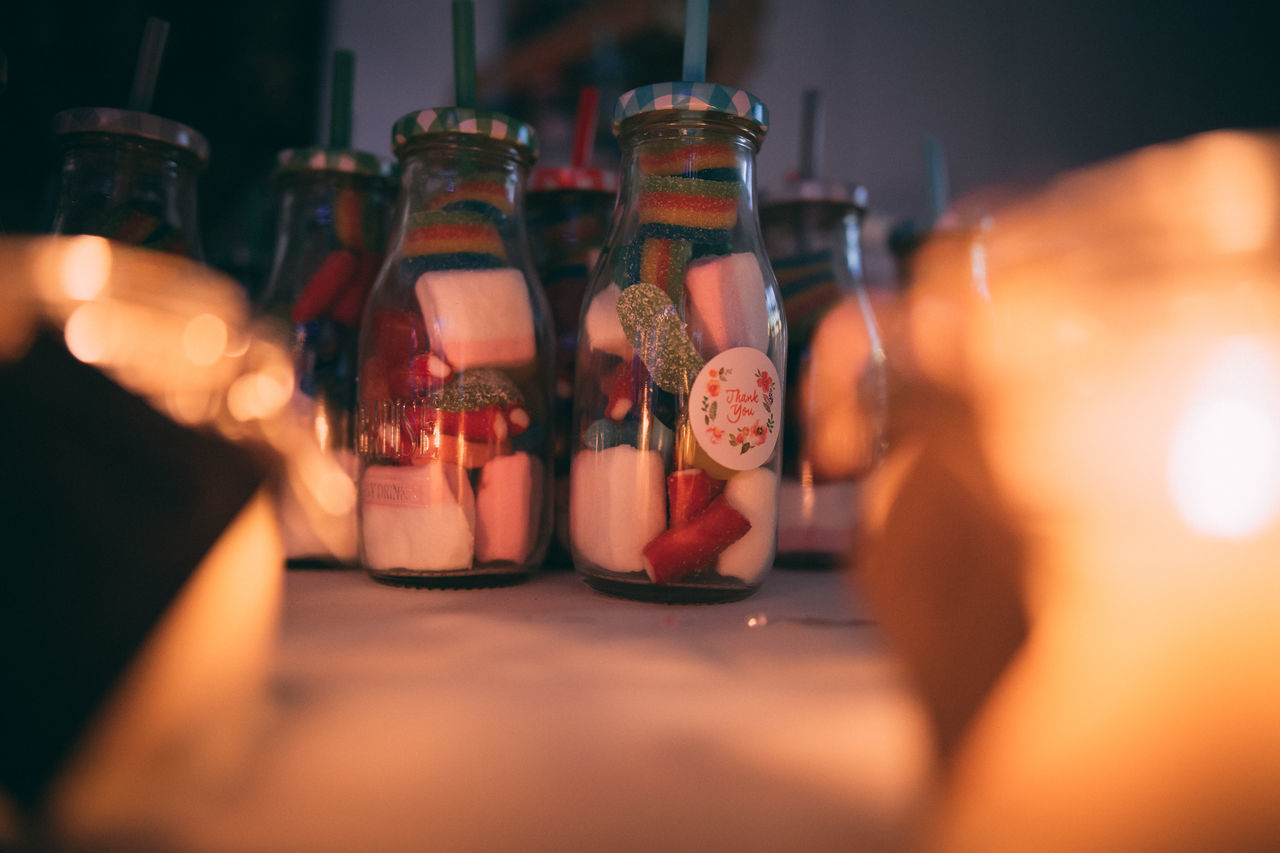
[[461, 579], [660, 594]]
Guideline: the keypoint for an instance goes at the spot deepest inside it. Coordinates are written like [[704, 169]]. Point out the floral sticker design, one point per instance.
[[736, 391]]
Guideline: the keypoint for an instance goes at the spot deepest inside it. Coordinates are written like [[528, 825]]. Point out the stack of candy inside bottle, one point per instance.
[[679, 297], [337, 290], [450, 427]]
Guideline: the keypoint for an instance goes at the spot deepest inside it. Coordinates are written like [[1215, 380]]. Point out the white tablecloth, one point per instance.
[[548, 717]]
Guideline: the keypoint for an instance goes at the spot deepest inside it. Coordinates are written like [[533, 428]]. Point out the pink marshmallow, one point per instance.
[[726, 303], [479, 318], [508, 508]]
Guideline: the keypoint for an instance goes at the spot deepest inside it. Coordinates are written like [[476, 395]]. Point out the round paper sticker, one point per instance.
[[732, 408]]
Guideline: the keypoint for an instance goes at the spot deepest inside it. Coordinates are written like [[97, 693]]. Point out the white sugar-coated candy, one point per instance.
[[816, 516], [601, 326], [479, 318], [726, 303], [420, 517], [617, 503], [508, 508], [753, 493]]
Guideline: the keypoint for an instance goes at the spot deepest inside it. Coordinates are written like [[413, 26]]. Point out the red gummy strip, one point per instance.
[[349, 306], [678, 551], [323, 286], [689, 491], [689, 158]]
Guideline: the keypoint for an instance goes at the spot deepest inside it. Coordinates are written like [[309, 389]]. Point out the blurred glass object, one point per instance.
[[157, 372], [132, 177], [836, 402], [1075, 530]]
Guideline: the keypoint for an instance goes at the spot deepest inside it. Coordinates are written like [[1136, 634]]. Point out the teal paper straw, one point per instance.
[[695, 41]]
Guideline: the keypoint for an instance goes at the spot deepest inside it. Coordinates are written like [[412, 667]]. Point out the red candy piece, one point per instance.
[[628, 381], [689, 491], [679, 551], [494, 423], [349, 306], [323, 286], [397, 335]]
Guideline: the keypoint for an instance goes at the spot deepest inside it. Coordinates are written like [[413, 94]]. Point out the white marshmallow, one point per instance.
[[617, 504], [753, 493], [508, 508], [726, 303], [479, 317], [419, 517], [601, 326]]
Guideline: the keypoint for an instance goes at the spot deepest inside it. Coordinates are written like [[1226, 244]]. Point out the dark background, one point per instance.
[[1015, 90]]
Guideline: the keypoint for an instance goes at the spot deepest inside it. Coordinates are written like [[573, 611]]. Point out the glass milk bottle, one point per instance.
[[130, 176], [454, 401], [678, 403], [569, 210], [813, 235], [334, 208]]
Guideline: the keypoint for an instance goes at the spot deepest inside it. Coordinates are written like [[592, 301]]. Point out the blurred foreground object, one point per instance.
[[141, 592], [1090, 453]]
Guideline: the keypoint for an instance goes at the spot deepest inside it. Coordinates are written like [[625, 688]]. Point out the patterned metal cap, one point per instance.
[[487, 123], [343, 160], [132, 123], [697, 97], [569, 178]]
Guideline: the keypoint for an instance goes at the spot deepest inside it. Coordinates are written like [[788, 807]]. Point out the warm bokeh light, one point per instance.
[[204, 339], [1091, 447], [86, 267], [94, 332], [1224, 457]]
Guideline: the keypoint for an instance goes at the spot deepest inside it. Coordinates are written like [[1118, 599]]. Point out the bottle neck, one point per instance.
[[133, 190], [459, 170], [688, 145]]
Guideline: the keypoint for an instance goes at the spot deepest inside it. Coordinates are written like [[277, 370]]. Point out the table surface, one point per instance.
[[546, 716]]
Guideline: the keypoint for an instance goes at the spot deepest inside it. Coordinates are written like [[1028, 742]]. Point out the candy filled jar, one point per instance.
[[454, 402], [836, 412], [678, 406], [569, 210], [334, 211], [130, 176]]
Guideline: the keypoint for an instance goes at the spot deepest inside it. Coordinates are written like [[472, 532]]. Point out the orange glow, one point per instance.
[[204, 339], [86, 267], [94, 332], [1224, 457]]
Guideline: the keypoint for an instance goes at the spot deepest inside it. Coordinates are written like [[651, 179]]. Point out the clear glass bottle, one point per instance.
[[334, 209], [568, 211], [813, 236], [130, 176], [681, 359], [454, 426]]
